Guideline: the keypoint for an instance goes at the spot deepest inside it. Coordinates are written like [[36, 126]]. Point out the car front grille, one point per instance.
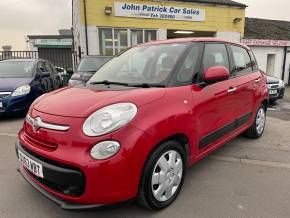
[[273, 86], [4, 94], [26, 138], [61, 178]]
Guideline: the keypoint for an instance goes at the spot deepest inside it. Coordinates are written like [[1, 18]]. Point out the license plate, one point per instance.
[[1, 104], [273, 92], [30, 164]]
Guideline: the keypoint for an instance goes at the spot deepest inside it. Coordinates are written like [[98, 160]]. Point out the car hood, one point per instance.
[[10, 84], [82, 102], [271, 79]]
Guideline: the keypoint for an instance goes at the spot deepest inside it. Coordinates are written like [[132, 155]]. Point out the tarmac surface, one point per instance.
[[245, 178]]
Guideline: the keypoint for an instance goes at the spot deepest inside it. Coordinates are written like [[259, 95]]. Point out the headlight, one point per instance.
[[109, 119], [281, 83], [105, 150], [21, 90], [74, 82]]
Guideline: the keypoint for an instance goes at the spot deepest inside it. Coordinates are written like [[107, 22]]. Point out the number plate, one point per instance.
[[273, 92], [30, 164]]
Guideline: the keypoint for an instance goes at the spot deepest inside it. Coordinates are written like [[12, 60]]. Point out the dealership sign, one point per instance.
[[54, 42], [266, 42], [124, 9]]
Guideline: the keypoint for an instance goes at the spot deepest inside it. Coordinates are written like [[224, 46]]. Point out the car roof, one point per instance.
[[190, 39]]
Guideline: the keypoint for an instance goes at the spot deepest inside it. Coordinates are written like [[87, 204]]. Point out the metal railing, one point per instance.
[[5, 55]]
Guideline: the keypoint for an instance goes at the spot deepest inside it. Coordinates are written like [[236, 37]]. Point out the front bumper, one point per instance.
[[108, 181], [18, 104], [64, 204], [278, 95], [61, 178]]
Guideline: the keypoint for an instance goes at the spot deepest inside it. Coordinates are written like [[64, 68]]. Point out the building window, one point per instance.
[[115, 40], [136, 37], [106, 42], [120, 40], [150, 35]]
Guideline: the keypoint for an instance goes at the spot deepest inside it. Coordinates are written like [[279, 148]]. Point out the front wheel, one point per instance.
[[257, 129], [163, 176]]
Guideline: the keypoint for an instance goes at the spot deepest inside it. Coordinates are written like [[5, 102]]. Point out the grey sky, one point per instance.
[[27, 17], [268, 9]]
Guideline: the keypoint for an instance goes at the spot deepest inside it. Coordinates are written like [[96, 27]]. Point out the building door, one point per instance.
[[271, 64]]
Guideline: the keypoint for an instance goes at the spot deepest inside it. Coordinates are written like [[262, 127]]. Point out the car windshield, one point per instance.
[[91, 64], [149, 65], [16, 69]]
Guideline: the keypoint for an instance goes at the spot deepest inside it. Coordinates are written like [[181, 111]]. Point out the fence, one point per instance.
[[58, 57], [4, 55]]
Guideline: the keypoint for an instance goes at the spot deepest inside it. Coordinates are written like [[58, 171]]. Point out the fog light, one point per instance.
[[105, 150]]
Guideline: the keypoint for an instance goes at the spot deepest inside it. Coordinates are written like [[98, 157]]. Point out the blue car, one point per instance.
[[22, 81]]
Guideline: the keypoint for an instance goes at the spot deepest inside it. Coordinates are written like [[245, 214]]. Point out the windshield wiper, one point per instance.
[[106, 82], [142, 85], [147, 85]]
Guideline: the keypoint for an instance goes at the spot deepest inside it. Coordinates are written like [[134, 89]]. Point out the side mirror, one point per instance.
[[70, 71], [45, 74], [216, 74]]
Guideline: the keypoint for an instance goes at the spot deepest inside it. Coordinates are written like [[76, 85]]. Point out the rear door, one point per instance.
[[243, 82]]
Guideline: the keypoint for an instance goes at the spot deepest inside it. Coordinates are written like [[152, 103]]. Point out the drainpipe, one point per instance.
[[284, 62], [86, 26]]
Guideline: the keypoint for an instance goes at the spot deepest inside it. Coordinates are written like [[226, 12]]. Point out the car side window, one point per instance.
[[49, 68], [242, 61], [254, 61], [186, 73], [215, 54], [41, 67]]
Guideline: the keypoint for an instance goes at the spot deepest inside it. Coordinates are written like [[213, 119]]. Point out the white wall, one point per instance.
[[93, 40], [233, 36], [261, 53]]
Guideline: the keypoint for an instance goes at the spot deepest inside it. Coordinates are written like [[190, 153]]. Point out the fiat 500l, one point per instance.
[[147, 114]]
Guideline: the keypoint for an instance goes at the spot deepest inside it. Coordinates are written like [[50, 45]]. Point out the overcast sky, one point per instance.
[[27, 17]]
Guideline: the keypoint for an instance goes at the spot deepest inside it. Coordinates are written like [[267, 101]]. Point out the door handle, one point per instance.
[[257, 80], [232, 90]]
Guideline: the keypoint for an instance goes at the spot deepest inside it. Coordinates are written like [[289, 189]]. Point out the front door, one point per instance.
[[215, 105]]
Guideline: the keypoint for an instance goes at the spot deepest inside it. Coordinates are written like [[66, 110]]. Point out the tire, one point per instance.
[[258, 127], [172, 174]]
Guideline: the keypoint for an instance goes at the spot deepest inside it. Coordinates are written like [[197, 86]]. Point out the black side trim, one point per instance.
[[224, 130]]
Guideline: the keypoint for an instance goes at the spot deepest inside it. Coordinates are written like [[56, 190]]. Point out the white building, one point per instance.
[[270, 42]]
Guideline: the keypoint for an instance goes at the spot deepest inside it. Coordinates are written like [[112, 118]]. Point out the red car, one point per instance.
[[147, 114]]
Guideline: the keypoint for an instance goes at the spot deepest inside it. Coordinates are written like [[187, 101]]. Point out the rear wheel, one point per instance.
[[257, 129], [163, 176]]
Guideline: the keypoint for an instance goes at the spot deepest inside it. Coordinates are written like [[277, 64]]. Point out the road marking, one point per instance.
[[252, 161], [8, 134]]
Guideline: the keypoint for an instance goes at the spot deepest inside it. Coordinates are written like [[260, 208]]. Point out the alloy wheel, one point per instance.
[[260, 121]]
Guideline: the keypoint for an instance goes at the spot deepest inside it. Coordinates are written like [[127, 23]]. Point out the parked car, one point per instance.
[[86, 69], [133, 129], [276, 88], [22, 81]]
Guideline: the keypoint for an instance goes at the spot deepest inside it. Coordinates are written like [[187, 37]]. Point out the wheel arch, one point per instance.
[[265, 103]]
